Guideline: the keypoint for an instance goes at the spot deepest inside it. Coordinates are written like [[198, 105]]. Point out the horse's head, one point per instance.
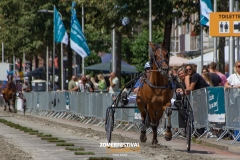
[[160, 57], [10, 77]]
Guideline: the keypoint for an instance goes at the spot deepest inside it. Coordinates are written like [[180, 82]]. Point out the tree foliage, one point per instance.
[[25, 30]]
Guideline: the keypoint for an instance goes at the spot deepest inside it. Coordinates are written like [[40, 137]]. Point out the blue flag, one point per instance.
[[206, 9], [77, 40], [60, 34]]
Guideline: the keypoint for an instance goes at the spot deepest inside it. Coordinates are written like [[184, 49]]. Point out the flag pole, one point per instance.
[[83, 67], [2, 52], [201, 47], [231, 43], [215, 58], [53, 54], [150, 28], [237, 38], [47, 70]]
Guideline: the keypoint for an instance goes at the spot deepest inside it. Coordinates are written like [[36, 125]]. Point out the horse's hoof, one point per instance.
[[154, 141], [168, 136], [143, 137]]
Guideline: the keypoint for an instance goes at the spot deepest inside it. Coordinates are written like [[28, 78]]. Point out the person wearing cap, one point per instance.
[[132, 99]]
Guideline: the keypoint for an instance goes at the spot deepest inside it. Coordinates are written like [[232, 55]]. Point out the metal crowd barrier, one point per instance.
[[208, 104]]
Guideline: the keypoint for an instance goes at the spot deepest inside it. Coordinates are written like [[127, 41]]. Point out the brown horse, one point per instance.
[[155, 93], [9, 93]]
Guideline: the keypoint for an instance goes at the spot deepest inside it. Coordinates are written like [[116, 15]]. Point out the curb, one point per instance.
[[213, 145]]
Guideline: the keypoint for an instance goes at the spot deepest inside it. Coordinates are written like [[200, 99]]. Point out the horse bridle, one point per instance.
[[159, 64]]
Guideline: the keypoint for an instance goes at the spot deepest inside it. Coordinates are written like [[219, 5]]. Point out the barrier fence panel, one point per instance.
[[232, 112], [61, 101], [216, 107], [35, 100], [199, 105], [43, 100], [29, 100], [73, 101], [95, 101], [99, 105], [208, 106]]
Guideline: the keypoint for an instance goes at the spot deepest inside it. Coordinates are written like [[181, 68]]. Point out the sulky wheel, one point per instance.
[[109, 123]]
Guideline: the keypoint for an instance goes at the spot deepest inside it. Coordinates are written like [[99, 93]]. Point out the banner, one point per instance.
[[60, 34], [77, 40], [206, 9], [216, 104], [67, 100]]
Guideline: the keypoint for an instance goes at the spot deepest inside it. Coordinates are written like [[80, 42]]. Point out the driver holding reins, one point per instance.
[[132, 99]]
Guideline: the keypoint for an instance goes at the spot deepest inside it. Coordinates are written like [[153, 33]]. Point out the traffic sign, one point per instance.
[[224, 24]]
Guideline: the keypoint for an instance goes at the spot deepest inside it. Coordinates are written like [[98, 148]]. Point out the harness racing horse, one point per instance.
[[155, 94], [9, 93]]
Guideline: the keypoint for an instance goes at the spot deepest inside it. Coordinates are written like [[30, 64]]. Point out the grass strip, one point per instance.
[[35, 133], [63, 141], [49, 138], [45, 135], [30, 130], [74, 149], [100, 158], [64, 144], [84, 153]]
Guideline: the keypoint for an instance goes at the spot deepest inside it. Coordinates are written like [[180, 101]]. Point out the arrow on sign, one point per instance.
[[237, 27]]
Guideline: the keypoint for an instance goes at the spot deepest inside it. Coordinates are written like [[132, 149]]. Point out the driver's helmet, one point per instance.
[[147, 65]]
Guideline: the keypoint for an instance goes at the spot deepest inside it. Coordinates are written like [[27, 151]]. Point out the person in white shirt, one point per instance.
[[234, 79], [114, 83]]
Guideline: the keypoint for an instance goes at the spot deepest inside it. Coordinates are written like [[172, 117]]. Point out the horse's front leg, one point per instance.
[[141, 107], [168, 133], [155, 117]]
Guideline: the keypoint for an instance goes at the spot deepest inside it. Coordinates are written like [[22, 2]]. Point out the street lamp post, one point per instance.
[[53, 68]]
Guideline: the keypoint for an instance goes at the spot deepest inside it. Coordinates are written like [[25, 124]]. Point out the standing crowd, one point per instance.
[[86, 83]]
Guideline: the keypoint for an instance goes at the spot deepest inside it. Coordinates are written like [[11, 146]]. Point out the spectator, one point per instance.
[[204, 70], [180, 77], [114, 83], [72, 84], [206, 77], [26, 86], [213, 69], [234, 79], [170, 73], [91, 89], [94, 83], [182, 115], [193, 80], [84, 86], [101, 83]]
